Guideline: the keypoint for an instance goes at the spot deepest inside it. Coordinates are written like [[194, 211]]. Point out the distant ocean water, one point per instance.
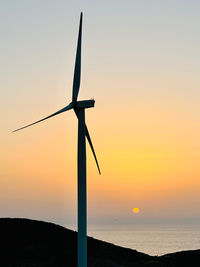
[[150, 239]]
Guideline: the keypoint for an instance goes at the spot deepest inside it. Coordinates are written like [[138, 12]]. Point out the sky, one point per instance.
[[141, 64]]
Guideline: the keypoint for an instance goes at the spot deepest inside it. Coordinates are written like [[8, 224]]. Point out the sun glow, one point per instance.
[[136, 210]]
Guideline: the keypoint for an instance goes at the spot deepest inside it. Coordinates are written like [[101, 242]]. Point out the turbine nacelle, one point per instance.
[[83, 104]]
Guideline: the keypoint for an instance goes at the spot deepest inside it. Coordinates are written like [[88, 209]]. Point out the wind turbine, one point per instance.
[[79, 109]]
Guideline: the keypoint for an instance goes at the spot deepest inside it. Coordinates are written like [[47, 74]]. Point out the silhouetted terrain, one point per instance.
[[29, 243]]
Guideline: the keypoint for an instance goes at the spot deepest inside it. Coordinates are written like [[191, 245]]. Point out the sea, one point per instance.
[[154, 239]]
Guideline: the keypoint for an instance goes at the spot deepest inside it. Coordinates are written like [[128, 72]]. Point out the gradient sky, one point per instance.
[[141, 63]]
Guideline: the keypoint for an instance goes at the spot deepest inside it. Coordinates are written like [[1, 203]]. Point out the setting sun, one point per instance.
[[136, 210]]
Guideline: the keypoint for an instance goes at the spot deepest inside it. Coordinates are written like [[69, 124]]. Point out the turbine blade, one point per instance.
[[90, 143], [52, 115], [77, 69], [91, 146]]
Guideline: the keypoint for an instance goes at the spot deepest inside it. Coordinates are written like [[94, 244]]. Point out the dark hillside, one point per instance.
[[30, 243]]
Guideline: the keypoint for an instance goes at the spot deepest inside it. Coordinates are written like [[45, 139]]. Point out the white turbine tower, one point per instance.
[[79, 109]]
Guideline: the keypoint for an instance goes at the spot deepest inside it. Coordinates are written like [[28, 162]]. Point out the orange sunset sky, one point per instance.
[[140, 62]]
